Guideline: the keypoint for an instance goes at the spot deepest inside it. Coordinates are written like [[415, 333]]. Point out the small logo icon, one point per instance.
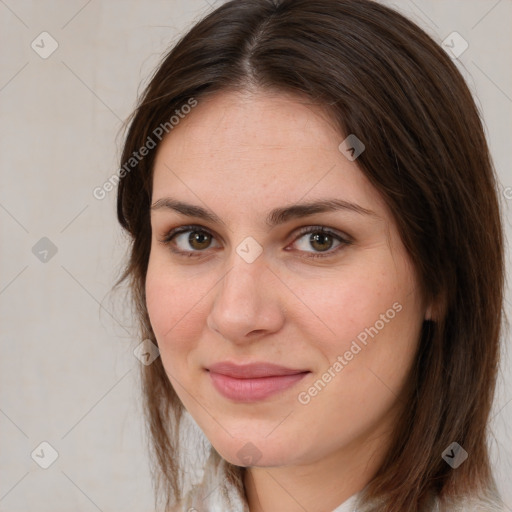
[[249, 249], [146, 352], [44, 45], [455, 45], [351, 147], [454, 455], [249, 454], [44, 455], [44, 250]]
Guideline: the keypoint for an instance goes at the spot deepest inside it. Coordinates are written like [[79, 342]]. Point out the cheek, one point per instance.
[[364, 369], [339, 308], [371, 318], [174, 306]]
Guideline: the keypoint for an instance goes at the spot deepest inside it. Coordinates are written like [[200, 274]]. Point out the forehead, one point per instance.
[[260, 126], [258, 144]]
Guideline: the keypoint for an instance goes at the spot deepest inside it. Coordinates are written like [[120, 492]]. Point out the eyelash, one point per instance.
[[167, 239]]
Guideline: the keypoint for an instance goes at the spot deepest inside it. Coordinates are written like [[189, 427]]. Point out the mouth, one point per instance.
[[253, 382]]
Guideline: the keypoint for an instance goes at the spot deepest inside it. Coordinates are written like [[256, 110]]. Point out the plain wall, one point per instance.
[[68, 374]]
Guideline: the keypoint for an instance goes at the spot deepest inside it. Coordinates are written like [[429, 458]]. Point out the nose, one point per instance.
[[246, 305]]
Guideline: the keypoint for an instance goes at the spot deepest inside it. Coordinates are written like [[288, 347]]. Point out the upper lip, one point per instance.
[[252, 370]]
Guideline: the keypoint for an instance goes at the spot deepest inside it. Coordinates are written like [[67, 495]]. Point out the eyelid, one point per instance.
[[343, 238], [169, 235]]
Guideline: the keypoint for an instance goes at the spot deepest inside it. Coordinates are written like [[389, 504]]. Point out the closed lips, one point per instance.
[[253, 370], [252, 382]]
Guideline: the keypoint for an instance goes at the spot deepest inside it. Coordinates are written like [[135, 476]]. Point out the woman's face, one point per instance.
[[255, 282]]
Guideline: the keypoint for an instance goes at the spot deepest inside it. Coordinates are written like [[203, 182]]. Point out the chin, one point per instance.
[[259, 453]]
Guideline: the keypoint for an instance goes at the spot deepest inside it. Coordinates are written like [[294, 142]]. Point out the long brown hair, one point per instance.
[[384, 79]]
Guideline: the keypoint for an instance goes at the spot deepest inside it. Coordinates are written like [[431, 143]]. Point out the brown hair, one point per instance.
[[384, 79]]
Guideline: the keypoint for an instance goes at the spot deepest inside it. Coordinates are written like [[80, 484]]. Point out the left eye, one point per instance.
[[199, 239], [320, 239]]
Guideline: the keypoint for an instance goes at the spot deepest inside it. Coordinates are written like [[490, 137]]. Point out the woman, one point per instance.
[[317, 253]]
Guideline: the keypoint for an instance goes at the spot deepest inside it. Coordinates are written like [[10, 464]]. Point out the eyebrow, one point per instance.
[[274, 218]]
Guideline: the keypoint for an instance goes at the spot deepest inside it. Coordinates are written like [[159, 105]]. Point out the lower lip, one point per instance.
[[252, 390]]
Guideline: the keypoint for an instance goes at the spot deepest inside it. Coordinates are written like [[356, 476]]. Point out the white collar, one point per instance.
[[348, 505]]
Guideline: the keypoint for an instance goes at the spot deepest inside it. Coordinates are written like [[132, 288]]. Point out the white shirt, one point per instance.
[[215, 502], [347, 506]]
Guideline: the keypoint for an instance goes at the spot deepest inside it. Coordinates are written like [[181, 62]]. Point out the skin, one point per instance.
[[241, 155]]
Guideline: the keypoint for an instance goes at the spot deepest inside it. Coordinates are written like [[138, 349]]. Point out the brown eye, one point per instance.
[[321, 241], [189, 241], [199, 240], [192, 241]]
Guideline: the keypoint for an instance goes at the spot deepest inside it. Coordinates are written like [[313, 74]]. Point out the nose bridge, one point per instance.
[[247, 267], [244, 283]]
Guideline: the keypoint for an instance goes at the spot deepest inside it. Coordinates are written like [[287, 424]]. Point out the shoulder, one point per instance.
[[491, 502]]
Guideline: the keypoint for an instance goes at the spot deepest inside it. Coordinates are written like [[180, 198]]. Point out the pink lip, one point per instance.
[[252, 382]]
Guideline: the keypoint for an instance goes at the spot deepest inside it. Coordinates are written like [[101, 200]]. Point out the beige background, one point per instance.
[[67, 372]]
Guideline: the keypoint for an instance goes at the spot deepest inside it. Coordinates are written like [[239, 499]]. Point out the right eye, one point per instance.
[[195, 237]]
